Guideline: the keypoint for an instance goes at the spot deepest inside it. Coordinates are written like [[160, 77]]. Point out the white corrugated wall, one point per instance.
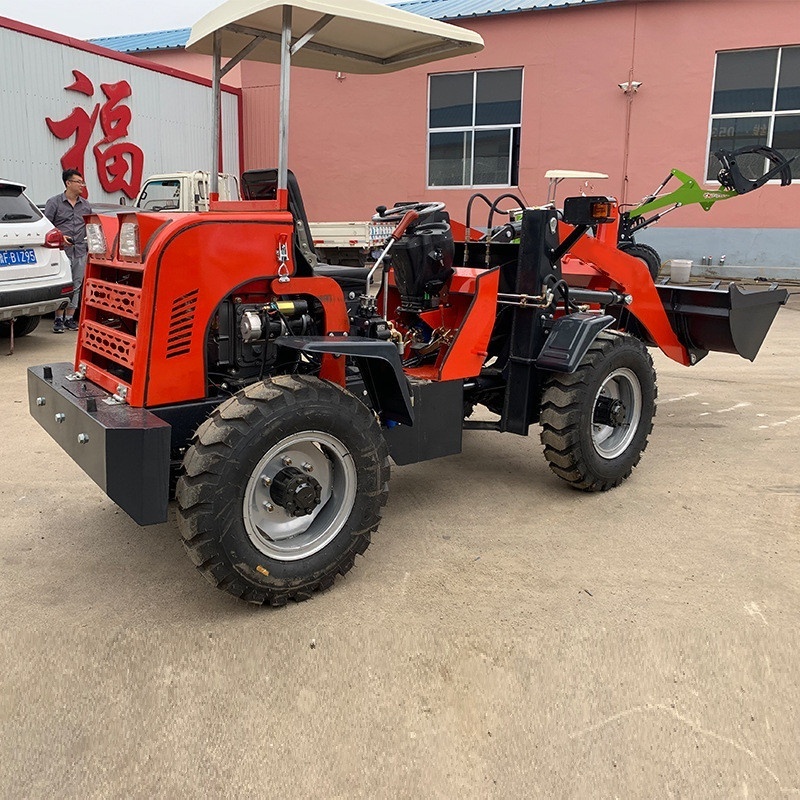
[[171, 116]]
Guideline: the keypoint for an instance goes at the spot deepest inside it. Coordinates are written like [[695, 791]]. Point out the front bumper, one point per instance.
[[124, 450]]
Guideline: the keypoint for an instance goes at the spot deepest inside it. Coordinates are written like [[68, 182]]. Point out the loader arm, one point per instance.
[[645, 303], [687, 193]]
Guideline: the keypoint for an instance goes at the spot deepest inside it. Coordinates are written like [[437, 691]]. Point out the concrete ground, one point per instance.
[[504, 636]]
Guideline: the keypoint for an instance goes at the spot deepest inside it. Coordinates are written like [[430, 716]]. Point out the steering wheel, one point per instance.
[[398, 213]]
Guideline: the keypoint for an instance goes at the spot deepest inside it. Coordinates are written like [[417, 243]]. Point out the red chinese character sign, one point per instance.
[[120, 164]]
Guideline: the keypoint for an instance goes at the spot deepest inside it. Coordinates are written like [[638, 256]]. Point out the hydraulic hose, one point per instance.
[[492, 209], [471, 200]]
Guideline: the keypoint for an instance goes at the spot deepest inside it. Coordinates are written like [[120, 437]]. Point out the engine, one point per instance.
[[241, 342]]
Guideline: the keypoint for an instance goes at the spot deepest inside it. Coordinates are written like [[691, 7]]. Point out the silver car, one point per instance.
[[35, 276]]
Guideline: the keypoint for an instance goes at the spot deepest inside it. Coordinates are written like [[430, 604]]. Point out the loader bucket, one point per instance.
[[730, 320]]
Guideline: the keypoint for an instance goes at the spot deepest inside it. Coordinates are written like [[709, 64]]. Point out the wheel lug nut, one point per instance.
[[265, 480], [287, 462], [308, 466], [269, 507]]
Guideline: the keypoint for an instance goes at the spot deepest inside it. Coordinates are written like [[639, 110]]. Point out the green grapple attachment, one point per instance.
[[733, 183]]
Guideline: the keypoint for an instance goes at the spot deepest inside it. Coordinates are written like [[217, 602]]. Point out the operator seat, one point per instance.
[[262, 184]]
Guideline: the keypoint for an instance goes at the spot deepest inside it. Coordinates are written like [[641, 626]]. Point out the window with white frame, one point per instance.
[[756, 102], [474, 127]]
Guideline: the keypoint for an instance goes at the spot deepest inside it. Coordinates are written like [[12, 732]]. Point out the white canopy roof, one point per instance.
[[359, 36], [562, 174]]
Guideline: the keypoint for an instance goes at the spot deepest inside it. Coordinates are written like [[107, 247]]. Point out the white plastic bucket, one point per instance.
[[679, 270]]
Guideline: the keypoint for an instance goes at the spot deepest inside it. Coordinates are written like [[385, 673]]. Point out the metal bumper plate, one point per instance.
[[124, 450]]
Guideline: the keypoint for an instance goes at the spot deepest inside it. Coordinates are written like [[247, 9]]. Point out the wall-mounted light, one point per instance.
[[630, 87]]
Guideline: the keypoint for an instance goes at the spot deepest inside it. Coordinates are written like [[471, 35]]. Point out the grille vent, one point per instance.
[[113, 297], [181, 322], [117, 346]]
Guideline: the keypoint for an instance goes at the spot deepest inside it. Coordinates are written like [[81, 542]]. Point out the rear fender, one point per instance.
[[379, 364], [469, 349], [569, 341]]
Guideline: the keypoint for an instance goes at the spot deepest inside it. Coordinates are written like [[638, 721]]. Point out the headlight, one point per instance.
[[96, 239], [129, 240]]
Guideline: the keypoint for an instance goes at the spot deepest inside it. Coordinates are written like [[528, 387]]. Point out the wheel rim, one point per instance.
[[272, 530], [622, 386]]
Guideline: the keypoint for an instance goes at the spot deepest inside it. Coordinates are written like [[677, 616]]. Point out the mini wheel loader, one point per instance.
[[267, 392]]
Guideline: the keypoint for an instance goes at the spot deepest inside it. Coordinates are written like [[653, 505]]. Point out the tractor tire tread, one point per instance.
[[563, 413], [214, 442]]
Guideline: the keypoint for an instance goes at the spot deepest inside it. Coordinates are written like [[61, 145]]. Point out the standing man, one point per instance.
[[66, 211]]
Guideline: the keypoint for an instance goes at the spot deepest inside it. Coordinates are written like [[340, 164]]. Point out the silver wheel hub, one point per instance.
[[616, 413], [278, 532]]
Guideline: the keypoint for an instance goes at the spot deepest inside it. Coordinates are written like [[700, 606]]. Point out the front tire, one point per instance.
[[595, 421], [282, 488]]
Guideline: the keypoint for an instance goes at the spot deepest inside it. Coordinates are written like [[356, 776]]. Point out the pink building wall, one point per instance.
[[361, 140]]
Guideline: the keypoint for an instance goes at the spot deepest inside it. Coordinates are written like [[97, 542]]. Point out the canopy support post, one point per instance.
[[216, 105], [283, 131]]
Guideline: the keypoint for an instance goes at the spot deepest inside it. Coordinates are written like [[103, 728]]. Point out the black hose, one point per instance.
[[471, 200], [492, 209], [559, 285], [493, 206]]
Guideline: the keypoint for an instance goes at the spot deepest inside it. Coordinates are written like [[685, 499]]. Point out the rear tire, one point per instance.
[[242, 535], [22, 326], [595, 421], [644, 253]]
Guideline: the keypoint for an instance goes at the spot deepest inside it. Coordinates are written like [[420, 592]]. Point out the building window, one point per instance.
[[473, 128], [756, 102]]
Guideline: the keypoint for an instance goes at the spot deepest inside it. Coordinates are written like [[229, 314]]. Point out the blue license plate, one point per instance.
[[17, 258]]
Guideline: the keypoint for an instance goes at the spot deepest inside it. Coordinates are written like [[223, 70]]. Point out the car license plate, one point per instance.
[[17, 258]]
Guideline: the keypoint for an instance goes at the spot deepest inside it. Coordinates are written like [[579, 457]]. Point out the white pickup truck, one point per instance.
[[183, 191], [345, 243], [349, 243]]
